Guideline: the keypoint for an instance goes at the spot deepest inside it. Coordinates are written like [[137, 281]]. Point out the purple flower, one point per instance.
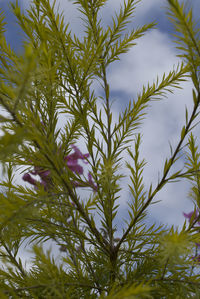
[[78, 155], [39, 171], [43, 174], [189, 216], [27, 178], [72, 164], [72, 160]]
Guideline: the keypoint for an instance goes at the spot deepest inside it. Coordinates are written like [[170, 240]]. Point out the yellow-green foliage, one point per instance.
[[50, 78]]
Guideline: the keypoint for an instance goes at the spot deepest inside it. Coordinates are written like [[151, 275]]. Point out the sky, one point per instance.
[[154, 54]]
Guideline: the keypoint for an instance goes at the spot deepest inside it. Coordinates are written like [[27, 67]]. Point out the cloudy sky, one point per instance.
[[154, 54]]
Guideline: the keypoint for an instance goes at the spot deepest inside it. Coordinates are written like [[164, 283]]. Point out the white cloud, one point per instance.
[[153, 55]]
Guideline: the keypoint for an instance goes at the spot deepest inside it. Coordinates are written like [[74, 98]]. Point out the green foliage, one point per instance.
[[187, 37], [53, 77]]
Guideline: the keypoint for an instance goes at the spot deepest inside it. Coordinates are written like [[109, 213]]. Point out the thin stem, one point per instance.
[[13, 259], [165, 268], [163, 180], [112, 252], [88, 264], [113, 255], [12, 113]]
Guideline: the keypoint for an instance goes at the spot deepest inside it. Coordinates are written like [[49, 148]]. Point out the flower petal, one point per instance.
[[75, 167], [27, 178]]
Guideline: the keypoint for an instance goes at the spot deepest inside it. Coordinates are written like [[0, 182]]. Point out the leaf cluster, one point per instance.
[[52, 80]]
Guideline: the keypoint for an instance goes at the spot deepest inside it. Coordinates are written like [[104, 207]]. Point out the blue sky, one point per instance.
[[154, 54]]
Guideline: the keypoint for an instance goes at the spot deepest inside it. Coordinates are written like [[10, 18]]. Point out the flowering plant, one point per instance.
[[72, 164], [54, 202]]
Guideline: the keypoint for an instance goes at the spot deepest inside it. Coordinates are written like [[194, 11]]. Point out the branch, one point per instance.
[[81, 210], [163, 180]]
